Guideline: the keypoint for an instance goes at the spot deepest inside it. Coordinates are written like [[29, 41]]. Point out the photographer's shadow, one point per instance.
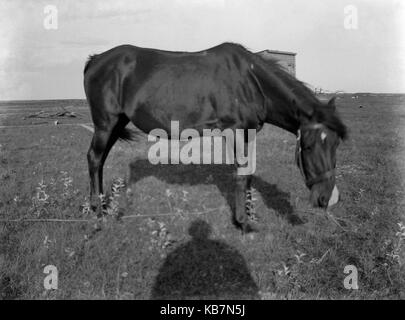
[[204, 269], [222, 176]]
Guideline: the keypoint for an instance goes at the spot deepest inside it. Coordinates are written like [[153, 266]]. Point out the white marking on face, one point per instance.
[[323, 136], [334, 198]]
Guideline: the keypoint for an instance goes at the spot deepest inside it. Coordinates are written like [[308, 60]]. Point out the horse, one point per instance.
[[224, 87]]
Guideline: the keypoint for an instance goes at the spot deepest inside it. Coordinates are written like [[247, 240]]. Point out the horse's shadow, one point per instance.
[[219, 174]]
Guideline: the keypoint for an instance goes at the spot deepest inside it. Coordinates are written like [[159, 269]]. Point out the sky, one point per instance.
[[41, 63]]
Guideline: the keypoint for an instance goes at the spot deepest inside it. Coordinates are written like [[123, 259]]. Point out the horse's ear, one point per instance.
[[332, 104]]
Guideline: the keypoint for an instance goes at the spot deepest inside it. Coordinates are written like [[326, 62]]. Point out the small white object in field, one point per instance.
[[334, 198], [323, 136], [56, 122]]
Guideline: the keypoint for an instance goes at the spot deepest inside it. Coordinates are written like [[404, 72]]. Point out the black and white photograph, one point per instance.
[[202, 150]]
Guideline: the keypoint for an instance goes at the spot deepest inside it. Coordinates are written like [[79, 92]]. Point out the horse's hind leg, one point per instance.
[[104, 137]]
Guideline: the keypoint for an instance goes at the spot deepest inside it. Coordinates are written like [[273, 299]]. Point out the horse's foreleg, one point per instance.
[[243, 184], [240, 216], [249, 189]]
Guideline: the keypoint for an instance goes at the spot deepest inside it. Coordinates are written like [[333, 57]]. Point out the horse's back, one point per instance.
[[130, 53], [154, 87]]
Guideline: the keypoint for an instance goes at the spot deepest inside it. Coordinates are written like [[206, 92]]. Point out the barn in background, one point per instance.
[[285, 58]]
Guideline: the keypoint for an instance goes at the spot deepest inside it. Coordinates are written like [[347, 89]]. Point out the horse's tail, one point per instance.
[[128, 135], [90, 59]]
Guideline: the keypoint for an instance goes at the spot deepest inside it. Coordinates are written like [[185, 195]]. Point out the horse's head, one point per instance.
[[317, 141]]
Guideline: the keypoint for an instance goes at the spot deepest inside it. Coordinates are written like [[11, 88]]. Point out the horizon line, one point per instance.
[[323, 93]]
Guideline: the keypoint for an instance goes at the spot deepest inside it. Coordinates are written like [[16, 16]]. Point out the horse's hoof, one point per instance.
[[251, 226]]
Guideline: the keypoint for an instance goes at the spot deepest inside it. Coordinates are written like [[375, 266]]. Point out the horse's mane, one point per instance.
[[297, 87], [323, 113]]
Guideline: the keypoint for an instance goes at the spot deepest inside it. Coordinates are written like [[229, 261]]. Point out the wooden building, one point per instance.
[[285, 58]]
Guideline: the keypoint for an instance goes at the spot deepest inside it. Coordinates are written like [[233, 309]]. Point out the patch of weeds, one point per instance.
[[85, 208], [397, 246], [178, 203], [53, 198], [160, 236], [113, 208], [394, 262], [40, 201], [110, 204], [10, 287]]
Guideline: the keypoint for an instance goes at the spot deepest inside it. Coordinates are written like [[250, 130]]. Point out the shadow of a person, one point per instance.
[[204, 269], [222, 176]]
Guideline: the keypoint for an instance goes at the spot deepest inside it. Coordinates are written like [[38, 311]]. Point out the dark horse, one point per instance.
[[223, 87]]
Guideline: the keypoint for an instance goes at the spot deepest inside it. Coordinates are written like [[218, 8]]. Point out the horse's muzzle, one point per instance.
[[323, 196], [334, 198]]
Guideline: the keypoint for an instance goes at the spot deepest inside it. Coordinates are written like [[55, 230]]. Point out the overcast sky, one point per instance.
[[36, 63]]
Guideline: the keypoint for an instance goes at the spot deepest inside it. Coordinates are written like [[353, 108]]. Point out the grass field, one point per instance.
[[169, 230]]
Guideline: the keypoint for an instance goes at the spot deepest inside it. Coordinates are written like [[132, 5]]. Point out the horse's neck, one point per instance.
[[283, 115], [281, 91]]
